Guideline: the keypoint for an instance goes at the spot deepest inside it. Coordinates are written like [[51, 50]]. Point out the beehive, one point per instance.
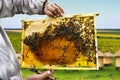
[[100, 59], [60, 43], [107, 58], [117, 56]]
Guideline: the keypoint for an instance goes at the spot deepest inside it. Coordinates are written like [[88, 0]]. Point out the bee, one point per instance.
[[43, 21], [25, 25], [31, 60]]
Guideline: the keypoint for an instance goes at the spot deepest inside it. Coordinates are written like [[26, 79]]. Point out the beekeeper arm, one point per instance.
[[12, 7]]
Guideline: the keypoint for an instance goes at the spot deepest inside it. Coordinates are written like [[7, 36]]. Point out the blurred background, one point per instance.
[[109, 17]]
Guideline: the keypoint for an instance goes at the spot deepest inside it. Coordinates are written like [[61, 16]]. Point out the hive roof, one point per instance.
[[100, 54], [108, 54], [117, 54]]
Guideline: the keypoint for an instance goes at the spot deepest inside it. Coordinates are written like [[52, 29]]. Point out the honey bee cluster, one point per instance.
[[63, 41]]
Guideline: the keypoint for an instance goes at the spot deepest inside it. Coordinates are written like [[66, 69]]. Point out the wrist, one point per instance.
[[44, 5]]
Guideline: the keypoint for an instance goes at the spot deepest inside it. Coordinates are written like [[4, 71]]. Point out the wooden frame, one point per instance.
[[45, 41]]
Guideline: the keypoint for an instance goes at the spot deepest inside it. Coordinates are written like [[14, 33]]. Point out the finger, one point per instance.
[[60, 8], [52, 77], [52, 71], [49, 13], [52, 10], [39, 72]]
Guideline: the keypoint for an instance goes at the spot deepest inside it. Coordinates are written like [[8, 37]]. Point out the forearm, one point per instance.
[[12, 7]]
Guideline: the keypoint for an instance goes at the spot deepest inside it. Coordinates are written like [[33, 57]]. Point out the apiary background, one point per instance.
[[60, 43]]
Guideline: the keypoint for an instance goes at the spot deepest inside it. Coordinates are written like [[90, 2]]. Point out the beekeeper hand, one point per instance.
[[42, 76], [53, 10]]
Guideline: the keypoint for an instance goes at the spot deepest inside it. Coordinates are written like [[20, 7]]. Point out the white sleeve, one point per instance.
[[12, 7]]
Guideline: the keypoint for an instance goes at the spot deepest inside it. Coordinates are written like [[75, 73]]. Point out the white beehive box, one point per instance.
[[100, 59], [107, 58], [117, 56]]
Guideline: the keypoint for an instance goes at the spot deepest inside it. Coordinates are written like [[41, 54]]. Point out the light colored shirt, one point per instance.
[[9, 66], [12, 7]]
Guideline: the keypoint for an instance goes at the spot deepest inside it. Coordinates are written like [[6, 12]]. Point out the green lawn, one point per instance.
[[107, 73], [104, 43], [15, 38], [108, 40]]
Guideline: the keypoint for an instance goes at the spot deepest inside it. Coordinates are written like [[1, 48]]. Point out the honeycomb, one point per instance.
[[62, 42]]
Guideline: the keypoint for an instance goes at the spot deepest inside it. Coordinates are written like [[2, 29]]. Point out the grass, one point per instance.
[[108, 33], [107, 73], [108, 40], [15, 38], [105, 43], [112, 45]]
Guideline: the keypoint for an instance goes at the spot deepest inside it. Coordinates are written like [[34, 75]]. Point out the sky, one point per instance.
[[109, 13]]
